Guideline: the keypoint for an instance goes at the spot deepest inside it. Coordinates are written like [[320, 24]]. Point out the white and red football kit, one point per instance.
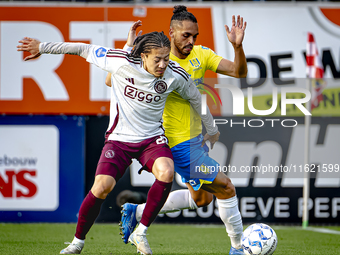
[[137, 97]]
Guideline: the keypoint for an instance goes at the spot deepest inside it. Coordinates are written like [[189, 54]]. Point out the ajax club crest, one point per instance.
[[109, 154], [160, 87]]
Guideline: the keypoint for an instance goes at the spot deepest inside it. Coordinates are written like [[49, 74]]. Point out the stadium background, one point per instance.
[[54, 109]]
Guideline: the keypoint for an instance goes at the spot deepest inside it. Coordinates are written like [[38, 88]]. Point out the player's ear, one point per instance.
[[142, 55], [171, 32]]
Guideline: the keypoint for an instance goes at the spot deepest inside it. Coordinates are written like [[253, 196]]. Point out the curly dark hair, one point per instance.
[[145, 43]]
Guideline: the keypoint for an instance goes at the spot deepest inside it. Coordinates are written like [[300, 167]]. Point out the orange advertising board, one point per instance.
[[68, 84]]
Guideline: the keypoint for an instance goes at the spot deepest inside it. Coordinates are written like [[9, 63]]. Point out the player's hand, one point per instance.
[[132, 33], [30, 45], [211, 138], [237, 31]]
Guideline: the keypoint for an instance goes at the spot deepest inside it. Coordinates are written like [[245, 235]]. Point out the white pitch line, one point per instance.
[[209, 226], [323, 230], [320, 230]]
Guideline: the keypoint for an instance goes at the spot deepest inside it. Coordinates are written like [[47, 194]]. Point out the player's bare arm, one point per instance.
[[108, 80], [36, 48], [131, 38], [132, 33], [235, 34]]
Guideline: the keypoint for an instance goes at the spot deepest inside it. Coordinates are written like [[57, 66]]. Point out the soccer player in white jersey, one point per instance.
[[141, 82], [183, 129]]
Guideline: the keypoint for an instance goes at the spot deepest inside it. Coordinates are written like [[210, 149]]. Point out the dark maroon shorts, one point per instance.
[[120, 155]]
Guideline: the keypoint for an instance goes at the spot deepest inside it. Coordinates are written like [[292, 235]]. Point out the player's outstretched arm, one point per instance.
[[235, 34], [190, 92], [36, 48], [130, 40], [132, 33], [212, 131]]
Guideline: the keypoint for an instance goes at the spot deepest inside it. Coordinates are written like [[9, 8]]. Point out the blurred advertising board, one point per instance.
[[41, 168], [264, 163], [64, 83], [69, 85]]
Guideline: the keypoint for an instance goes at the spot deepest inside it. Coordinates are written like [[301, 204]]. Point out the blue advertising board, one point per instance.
[[41, 168]]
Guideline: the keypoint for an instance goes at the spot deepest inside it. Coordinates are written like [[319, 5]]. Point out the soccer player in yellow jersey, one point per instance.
[[183, 129]]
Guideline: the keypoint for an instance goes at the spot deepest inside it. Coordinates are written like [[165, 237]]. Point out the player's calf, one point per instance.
[[200, 197], [221, 187]]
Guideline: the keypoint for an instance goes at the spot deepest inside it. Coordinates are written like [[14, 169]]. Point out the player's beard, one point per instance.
[[180, 49], [187, 53]]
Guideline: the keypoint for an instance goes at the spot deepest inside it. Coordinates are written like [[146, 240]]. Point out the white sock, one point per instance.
[[139, 211], [177, 200], [230, 215], [141, 229], [78, 242]]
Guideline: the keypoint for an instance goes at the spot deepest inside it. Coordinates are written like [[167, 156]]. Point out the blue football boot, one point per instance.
[[128, 221]]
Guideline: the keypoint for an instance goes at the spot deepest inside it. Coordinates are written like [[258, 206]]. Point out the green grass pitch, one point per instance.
[[163, 238]]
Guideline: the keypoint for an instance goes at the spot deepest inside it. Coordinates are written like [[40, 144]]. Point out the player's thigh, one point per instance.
[[114, 160], [199, 170], [201, 197], [111, 167], [203, 170], [157, 158]]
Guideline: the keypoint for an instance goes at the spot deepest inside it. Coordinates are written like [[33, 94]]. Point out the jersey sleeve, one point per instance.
[[211, 58], [127, 48], [80, 49], [190, 92], [99, 56]]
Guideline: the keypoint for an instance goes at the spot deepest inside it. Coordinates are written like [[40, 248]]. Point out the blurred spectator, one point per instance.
[[128, 196]]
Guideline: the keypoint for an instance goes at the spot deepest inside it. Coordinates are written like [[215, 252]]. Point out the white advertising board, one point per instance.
[[29, 167]]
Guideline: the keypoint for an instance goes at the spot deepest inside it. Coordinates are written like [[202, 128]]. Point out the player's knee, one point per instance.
[[204, 200], [229, 188], [164, 170], [166, 175], [100, 191], [224, 188], [102, 187]]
